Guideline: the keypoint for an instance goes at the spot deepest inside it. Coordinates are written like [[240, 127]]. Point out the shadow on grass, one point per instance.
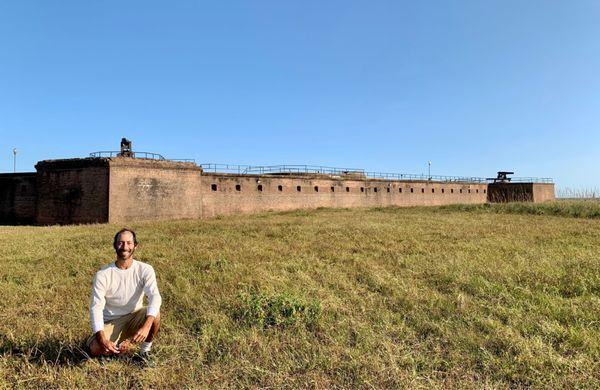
[[45, 351]]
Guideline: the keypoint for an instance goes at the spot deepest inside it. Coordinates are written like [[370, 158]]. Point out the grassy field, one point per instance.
[[396, 297]]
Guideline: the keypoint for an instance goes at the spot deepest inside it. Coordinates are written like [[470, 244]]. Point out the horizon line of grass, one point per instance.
[[562, 208]]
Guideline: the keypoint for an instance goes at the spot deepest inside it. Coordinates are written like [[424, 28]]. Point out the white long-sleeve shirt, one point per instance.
[[117, 292]]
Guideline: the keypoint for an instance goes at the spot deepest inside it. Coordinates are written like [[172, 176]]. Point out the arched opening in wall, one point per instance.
[[388, 189], [280, 188], [442, 190], [375, 189], [213, 187], [362, 189], [484, 191], [433, 190], [347, 189], [238, 187], [469, 190], [298, 188], [461, 190], [412, 190], [477, 191], [400, 190], [259, 188], [451, 190], [422, 190], [332, 189], [316, 188]]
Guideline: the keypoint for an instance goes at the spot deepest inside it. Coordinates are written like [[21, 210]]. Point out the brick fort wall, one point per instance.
[[18, 198], [150, 190], [232, 194], [72, 191], [122, 190]]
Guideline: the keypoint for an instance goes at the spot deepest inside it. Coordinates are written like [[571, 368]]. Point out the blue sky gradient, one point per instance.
[[473, 86]]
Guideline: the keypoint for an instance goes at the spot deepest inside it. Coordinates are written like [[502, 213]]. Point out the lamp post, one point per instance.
[[14, 160], [429, 169]]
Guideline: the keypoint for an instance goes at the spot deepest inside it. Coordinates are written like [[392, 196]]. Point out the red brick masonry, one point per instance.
[[126, 189]]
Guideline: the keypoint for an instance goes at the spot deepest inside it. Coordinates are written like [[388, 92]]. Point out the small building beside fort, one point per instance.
[[126, 186]]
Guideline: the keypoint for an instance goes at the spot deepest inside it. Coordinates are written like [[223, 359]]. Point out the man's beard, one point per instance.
[[123, 255]]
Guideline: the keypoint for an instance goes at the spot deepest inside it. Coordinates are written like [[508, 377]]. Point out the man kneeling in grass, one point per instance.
[[119, 319]]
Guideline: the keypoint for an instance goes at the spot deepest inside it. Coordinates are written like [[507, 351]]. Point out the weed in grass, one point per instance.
[[277, 310]]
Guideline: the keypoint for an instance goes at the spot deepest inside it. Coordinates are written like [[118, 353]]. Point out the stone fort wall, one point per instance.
[[233, 194], [122, 190], [18, 198], [72, 191], [153, 190]]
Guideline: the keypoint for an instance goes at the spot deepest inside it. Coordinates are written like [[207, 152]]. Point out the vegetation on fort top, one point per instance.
[[422, 297]]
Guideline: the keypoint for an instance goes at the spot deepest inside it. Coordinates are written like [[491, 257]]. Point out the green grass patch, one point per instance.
[[277, 310]]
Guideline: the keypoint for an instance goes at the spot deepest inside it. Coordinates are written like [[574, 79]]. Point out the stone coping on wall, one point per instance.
[[90, 162], [152, 163], [71, 163], [317, 176]]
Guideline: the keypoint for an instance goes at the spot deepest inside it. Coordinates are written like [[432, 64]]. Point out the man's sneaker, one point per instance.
[[104, 359], [144, 359]]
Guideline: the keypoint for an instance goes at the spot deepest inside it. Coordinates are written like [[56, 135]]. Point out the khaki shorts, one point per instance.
[[122, 328]]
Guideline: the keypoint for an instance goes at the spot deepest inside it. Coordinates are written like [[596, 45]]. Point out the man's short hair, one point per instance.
[[123, 231]]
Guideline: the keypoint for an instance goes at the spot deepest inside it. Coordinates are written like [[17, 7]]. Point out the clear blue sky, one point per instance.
[[473, 86]]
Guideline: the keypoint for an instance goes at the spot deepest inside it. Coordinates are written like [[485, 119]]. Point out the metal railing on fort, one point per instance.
[[278, 169], [146, 155], [423, 177], [187, 160], [115, 153], [304, 169], [224, 168], [531, 180], [318, 169]]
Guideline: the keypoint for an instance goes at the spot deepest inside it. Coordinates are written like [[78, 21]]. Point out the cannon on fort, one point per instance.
[[126, 150], [502, 177]]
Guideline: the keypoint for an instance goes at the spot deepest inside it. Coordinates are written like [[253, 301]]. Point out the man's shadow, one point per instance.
[[50, 350]]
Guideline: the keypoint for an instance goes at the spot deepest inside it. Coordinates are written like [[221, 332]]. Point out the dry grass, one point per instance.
[[419, 297], [577, 208]]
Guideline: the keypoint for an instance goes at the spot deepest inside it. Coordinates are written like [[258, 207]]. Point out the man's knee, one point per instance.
[[96, 349]]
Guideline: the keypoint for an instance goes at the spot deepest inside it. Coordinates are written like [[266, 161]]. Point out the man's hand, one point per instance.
[[141, 334], [107, 345], [126, 347]]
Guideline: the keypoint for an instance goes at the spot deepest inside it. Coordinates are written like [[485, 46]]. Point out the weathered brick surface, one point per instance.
[[227, 199], [124, 190], [18, 198], [152, 190], [510, 192], [543, 192], [72, 191], [520, 192]]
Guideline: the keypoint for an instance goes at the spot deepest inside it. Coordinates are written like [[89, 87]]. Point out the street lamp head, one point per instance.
[[14, 160]]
